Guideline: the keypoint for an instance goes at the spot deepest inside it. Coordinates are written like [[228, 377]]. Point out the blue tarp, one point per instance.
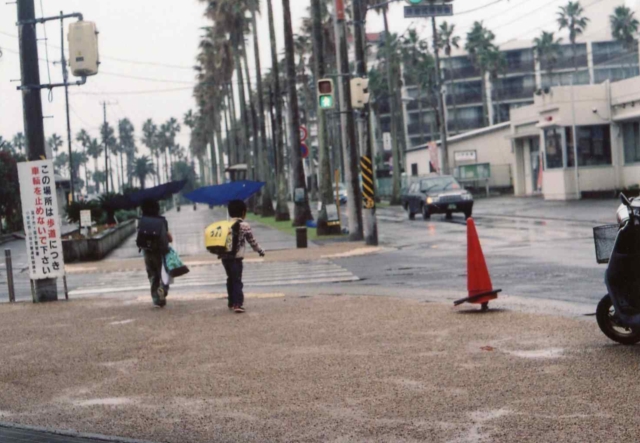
[[221, 195]]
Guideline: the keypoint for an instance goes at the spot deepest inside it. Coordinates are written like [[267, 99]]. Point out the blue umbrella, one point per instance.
[[135, 199], [221, 195]]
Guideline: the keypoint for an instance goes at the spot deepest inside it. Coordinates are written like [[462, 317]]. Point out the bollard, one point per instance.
[[301, 238], [12, 290]]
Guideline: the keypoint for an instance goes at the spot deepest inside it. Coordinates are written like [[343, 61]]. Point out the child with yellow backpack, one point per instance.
[[228, 241]]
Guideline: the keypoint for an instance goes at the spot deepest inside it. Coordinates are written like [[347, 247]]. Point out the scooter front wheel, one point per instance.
[[605, 315]]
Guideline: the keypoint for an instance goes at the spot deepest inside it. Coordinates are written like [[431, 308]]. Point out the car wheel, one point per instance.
[[412, 215], [425, 213], [449, 216], [467, 215]]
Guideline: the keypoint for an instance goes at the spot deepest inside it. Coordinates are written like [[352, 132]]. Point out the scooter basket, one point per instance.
[[605, 238]]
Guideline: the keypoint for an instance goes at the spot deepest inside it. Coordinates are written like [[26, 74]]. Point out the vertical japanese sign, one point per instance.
[[434, 153], [41, 219]]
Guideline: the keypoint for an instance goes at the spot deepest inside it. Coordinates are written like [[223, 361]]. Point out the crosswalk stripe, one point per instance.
[[255, 274]]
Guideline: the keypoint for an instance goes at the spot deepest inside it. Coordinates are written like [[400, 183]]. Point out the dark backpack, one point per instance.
[[153, 235]]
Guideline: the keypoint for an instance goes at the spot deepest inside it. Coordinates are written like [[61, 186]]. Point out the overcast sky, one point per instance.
[[156, 41]]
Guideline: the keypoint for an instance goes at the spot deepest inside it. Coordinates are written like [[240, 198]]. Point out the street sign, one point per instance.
[[41, 219], [85, 219], [305, 134], [304, 150], [465, 156], [368, 186], [427, 11], [386, 141]]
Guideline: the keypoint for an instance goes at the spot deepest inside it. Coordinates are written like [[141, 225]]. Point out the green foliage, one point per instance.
[[73, 211], [184, 171], [10, 206], [624, 27], [124, 216]]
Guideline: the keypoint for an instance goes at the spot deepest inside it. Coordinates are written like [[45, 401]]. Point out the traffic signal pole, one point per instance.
[[370, 221], [351, 172], [45, 290]]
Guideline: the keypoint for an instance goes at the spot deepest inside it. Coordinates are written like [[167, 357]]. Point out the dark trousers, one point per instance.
[[234, 267], [153, 263]]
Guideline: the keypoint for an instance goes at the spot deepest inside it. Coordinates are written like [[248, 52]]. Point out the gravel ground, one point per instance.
[[319, 369]]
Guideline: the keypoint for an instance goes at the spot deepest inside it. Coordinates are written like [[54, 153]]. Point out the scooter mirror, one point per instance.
[[625, 200]]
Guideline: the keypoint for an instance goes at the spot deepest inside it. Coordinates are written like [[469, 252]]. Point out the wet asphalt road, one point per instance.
[[533, 249]]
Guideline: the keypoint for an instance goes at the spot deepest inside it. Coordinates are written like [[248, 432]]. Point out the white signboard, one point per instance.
[[332, 213], [41, 219], [465, 156], [85, 219], [386, 141]]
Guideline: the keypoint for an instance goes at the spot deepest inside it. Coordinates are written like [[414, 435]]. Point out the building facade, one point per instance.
[[599, 58]]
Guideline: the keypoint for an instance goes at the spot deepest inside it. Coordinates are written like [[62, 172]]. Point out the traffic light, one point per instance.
[[326, 94], [359, 92]]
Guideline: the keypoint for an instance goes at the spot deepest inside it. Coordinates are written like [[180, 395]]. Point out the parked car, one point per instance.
[[342, 193], [437, 195]]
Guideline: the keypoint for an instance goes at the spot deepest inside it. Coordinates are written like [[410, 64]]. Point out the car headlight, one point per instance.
[[429, 200], [467, 197]]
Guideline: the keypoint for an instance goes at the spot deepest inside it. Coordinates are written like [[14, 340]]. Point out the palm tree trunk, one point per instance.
[[229, 137], [395, 195], [219, 147], [483, 91], [166, 166], [234, 126], [121, 170], [244, 114], [266, 202], [253, 164], [422, 137], [282, 207], [313, 191], [453, 99]]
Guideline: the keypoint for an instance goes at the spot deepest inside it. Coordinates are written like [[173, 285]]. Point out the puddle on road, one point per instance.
[[539, 354], [114, 401]]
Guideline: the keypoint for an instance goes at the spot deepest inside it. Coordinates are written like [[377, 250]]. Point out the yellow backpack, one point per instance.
[[222, 237]]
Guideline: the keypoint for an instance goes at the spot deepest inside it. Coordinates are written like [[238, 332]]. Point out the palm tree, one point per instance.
[[143, 167], [166, 142], [5, 145], [94, 149], [547, 51], [282, 207], [393, 99], [266, 208], [624, 28], [496, 64], [150, 140], [84, 139], [479, 44], [55, 143], [126, 135], [447, 41], [302, 211], [19, 142], [572, 19]]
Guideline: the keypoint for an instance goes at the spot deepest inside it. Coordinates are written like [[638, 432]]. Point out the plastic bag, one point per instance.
[[175, 267]]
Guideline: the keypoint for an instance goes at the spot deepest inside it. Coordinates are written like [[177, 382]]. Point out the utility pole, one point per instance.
[[65, 77], [326, 191], [350, 144], [302, 212], [370, 222], [45, 290], [441, 101]]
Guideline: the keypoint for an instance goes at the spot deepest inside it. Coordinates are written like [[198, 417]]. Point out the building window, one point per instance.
[[594, 145], [631, 136], [414, 169], [553, 148]]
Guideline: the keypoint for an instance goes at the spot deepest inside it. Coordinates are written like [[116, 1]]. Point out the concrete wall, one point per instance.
[[98, 247], [421, 158]]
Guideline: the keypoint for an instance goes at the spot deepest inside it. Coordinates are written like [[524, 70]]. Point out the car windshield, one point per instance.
[[439, 184]]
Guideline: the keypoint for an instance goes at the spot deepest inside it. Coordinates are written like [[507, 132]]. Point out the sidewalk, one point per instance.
[[314, 369]]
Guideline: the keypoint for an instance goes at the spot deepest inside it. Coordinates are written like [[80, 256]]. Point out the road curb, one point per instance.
[[71, 433]]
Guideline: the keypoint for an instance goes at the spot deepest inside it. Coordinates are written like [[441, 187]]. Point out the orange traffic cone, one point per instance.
[[479, 284]]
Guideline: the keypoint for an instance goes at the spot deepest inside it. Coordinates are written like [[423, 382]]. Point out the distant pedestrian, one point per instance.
[[154, 238], [232, 261]]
